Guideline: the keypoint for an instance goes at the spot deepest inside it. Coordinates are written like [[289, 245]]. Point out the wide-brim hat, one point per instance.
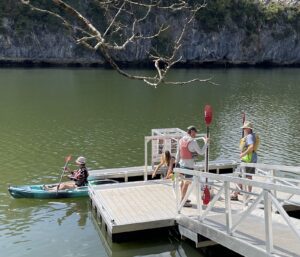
[[190, 128], [80, 160], [247, 124]]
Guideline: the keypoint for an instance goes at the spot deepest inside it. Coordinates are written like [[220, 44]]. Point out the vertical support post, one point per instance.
[[268, 222], [228, 208], [274, 181], [198, 192], [177, 192], [146, 161], [244, 187]]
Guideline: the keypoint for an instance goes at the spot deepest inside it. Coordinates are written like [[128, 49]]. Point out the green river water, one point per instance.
[[47, 114]]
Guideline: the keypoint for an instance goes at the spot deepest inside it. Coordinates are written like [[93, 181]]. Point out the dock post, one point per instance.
[[146, 161], [228, 208], [268, 222]]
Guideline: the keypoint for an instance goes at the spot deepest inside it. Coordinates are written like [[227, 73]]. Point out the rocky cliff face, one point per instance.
[[229, 42]]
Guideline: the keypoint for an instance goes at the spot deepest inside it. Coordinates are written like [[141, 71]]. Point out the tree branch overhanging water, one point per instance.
[[124, 25]]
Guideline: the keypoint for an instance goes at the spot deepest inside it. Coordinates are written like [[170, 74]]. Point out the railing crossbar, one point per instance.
[[212, 203], [247, 212], [284, 214]]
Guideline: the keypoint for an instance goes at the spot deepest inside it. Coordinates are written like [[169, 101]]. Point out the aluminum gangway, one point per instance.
[[257, 226]]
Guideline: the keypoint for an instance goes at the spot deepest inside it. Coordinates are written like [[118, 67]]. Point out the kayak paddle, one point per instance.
[[208, 119], [67, 159], [243, 118]]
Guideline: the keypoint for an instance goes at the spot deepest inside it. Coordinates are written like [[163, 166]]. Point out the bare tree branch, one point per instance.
[[125, 25]]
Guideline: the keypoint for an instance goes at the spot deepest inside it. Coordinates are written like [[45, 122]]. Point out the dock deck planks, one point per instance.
[[136, 205]]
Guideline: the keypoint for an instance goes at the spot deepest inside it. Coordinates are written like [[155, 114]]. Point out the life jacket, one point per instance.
[[79, 174], [184, 148], [248, 157]]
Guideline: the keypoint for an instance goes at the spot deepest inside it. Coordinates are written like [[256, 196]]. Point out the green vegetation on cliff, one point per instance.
[[248, 15]]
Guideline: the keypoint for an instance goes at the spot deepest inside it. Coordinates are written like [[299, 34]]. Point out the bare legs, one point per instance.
[[184, 187], [62, 186]]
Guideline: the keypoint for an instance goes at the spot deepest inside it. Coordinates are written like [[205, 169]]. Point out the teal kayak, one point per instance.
[[39, 191]]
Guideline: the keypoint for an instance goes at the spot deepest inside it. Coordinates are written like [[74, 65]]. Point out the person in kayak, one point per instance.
[[78, 177]]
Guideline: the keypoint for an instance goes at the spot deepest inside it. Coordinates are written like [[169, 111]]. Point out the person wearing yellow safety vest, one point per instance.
[[248, 147]]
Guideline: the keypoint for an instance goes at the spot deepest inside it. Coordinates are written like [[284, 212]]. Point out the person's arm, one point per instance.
[[248, 150], [157, 168], [250, 147], [71, 175], [194, 147]]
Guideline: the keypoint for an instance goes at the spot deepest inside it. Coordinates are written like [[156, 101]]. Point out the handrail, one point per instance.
[[266, 195], [263, 166]]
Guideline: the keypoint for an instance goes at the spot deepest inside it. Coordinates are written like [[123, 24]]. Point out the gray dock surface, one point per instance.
[[136, 206]]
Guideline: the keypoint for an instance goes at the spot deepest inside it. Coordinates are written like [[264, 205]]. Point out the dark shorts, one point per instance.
[[187, 175], [80, 183], [250, 170]]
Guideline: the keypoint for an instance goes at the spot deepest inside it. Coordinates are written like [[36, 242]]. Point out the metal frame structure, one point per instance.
[[266, 194], [162, 140]]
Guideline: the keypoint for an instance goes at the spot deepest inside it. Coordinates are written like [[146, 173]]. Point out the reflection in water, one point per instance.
[[78, 209], [38, 226]]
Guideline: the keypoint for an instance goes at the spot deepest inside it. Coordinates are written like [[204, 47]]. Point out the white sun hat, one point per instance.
[[247, 124], [80, 160]]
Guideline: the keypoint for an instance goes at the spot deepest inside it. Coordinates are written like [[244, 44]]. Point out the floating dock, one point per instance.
[[249, 228], [256, 225], [135, 206]]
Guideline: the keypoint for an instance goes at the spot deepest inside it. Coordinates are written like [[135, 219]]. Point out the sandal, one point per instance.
[[234, 198], [187, 204]]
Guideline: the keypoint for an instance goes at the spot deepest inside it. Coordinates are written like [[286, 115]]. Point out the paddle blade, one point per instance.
[[68, 158], [208, 114], [206, 196]]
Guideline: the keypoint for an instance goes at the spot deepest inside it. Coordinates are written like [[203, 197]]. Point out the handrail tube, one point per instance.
[[248, 211], [263, 166], [284, 215], [248, 182]]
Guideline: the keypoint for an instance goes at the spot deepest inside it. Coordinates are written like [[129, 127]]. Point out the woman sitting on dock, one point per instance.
[[168, 161], [78, 177]]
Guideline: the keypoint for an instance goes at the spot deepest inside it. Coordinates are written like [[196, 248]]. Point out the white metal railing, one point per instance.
[[270, 173], [265, 193]]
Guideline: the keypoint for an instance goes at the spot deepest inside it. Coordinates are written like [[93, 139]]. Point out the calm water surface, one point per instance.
[[47, 114]]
